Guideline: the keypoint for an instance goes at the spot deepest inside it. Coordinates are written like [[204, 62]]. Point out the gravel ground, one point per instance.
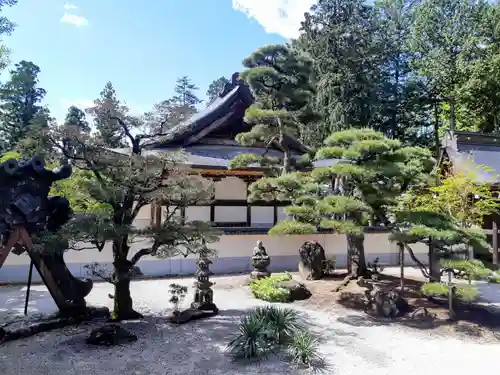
[[349, 345]]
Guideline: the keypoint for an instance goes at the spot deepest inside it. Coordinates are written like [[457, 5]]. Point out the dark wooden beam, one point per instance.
[[275, 213], [183, 214], [242, 202], [152, 207], [158, 215], [495, 240]]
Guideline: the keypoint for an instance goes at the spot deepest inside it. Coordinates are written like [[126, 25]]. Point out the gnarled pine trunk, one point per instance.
[[356, 262], [434, 264], [123, 306]]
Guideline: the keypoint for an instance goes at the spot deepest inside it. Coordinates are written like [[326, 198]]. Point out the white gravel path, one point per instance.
[[350, 346]]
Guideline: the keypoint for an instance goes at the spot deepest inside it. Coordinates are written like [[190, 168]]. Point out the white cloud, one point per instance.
[[73, 19], [281, 17], [69, 6]]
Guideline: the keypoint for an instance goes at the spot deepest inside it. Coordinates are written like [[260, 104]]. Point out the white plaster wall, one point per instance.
[[234, 253], [262, 215], [231, 188], [229, 214], [281, 214], [201, 213]]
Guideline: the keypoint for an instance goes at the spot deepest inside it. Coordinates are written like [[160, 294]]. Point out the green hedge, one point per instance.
[[266, 289]]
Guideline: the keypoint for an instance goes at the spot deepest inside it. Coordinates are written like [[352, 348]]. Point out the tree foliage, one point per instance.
[[107, 108], [174, 110], [215, 88], [448, 217], [117, 186], [23, 120], [365, 174], [280, 80]]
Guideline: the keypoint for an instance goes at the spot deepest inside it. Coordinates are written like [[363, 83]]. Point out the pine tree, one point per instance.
[[75, 122], [115, 188], [22, 115], [342, 38], [366, 176], [446, 216], [6, 28], [171, 112], [280, 81], [215, 88], [105, 111]]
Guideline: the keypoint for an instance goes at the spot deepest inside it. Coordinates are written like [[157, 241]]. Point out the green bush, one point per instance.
[[463, 293], [266, 289], [268, 329], [473, 269]]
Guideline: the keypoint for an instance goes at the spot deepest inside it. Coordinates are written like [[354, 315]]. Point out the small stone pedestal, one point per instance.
[[260, 262], [204, 295]]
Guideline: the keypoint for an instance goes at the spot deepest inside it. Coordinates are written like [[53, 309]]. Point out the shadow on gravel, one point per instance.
[[193, 348]]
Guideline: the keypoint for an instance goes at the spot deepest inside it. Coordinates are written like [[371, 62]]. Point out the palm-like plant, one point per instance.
[[303, 349], [251, 340], [281, 323]]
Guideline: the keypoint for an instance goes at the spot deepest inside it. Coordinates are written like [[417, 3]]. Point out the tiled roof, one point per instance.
[[468, 151]]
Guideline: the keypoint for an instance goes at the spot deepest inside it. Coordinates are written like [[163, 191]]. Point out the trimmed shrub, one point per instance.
[[463, 293], [266, 289], [472, 269]]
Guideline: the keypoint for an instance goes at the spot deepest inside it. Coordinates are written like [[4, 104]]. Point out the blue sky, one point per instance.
[[142, 46]]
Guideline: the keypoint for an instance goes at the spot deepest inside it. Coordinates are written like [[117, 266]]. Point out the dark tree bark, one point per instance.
[[123, 305], [434, 264], [356, 262]]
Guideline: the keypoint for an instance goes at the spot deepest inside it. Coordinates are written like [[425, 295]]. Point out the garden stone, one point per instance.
[[109, 335], [390, 303], [312, 259], [298, 291], [260, 262]]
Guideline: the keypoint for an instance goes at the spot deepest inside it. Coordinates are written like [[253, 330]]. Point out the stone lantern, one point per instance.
[[260, 262], [204, 295]]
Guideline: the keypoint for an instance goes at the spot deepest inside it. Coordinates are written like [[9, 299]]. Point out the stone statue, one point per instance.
[[25, 210], [260, 262]]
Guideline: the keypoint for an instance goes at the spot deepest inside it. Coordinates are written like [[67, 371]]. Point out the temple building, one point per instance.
[[208, 141], [469, 152]]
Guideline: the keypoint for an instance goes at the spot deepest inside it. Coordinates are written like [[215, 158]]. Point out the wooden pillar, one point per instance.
[[183, 215], [494, 234], [152, 207], [158, 214], [249, 207], [275, 213], [212, 206]]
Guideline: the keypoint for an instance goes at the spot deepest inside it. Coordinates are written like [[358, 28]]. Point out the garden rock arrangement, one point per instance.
[[110, 335], [297, 291], [203, 305], [23, 328], [312, 259], [387, 303]]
